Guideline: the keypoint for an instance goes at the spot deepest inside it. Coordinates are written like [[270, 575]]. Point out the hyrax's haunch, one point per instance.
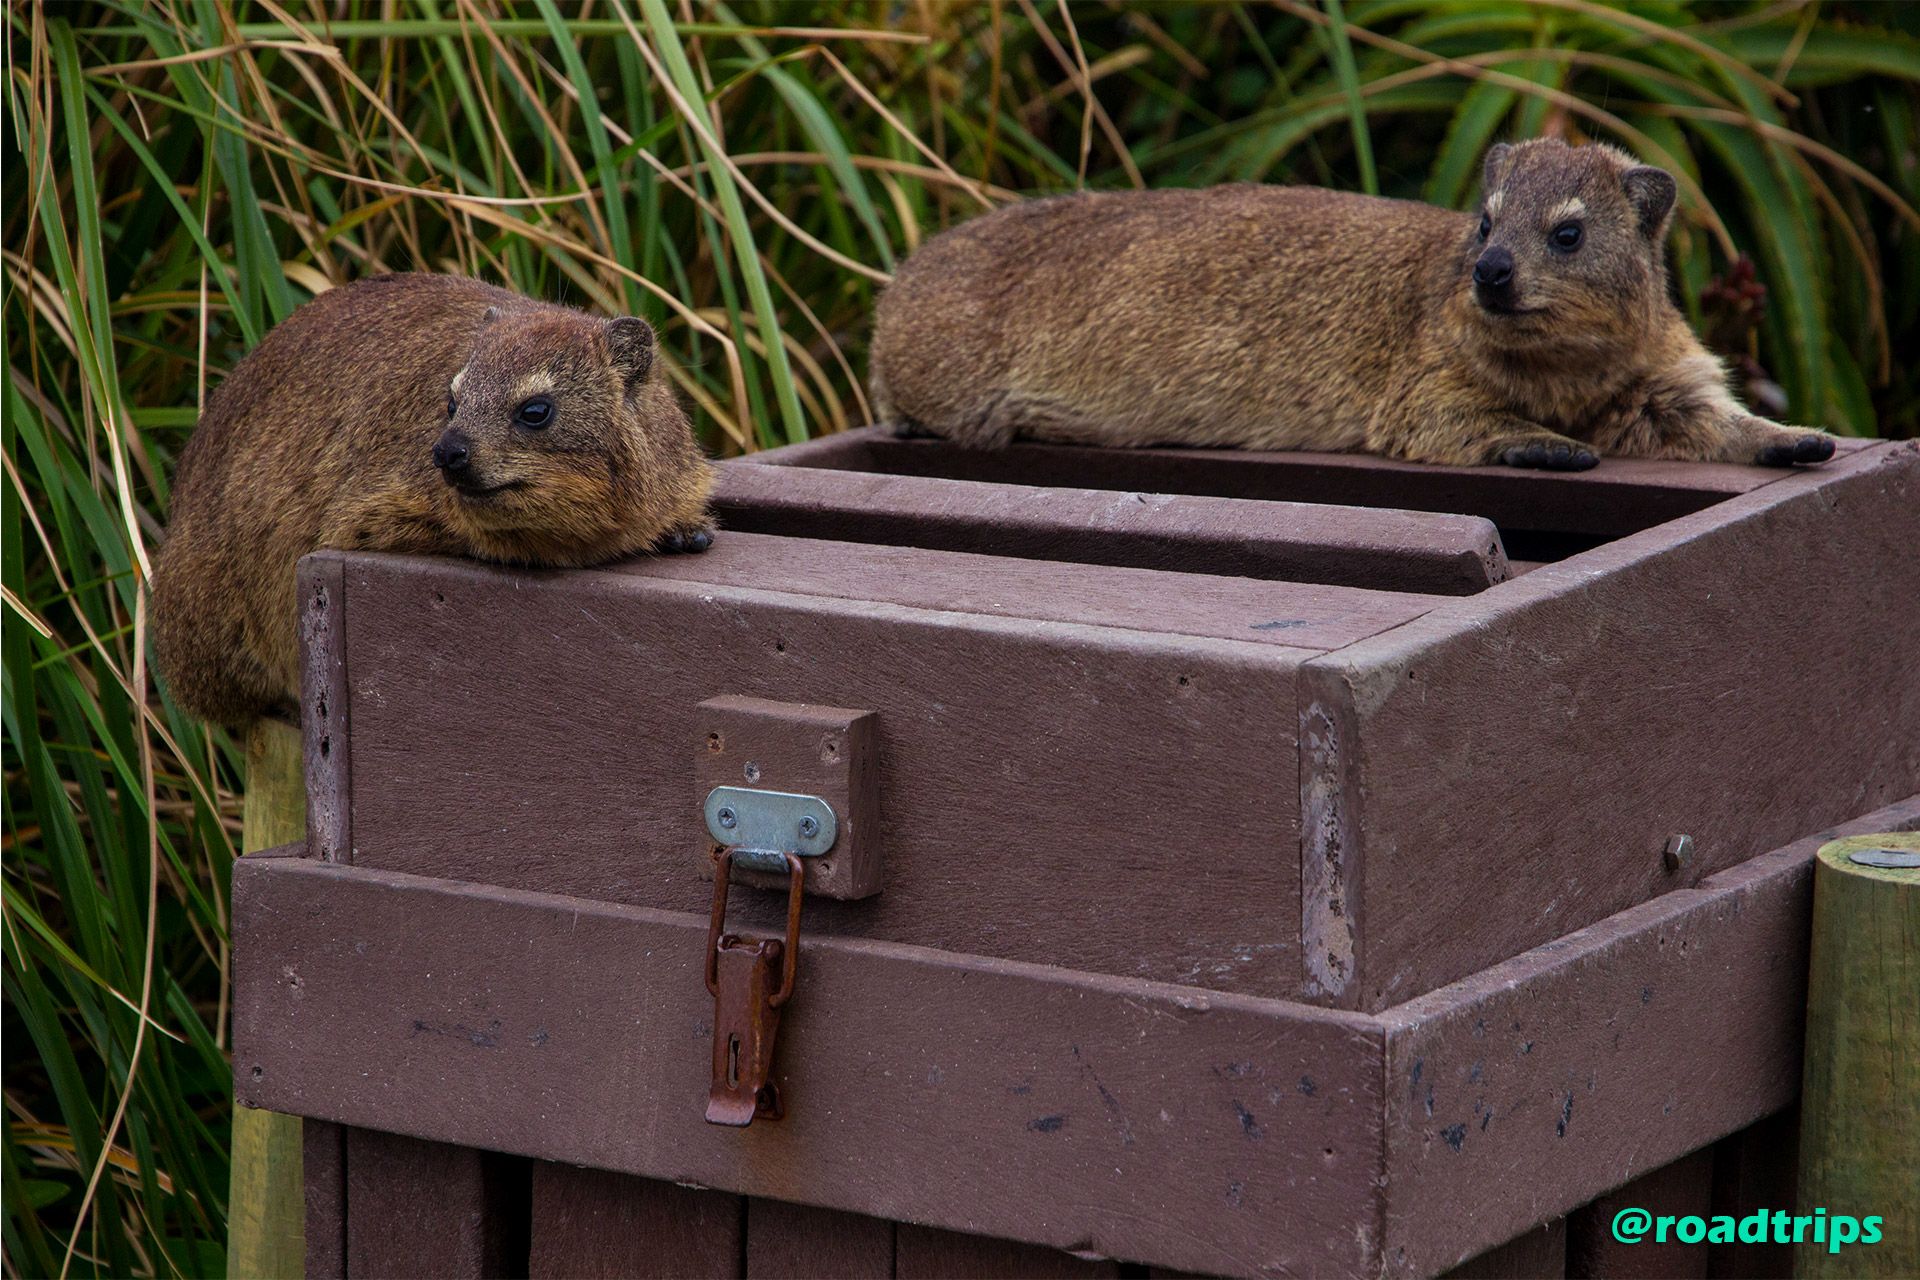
[[1536, 332], [420, 413]]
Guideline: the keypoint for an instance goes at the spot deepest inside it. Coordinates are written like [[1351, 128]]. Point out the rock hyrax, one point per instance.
[[1536, 331], [420, 413]]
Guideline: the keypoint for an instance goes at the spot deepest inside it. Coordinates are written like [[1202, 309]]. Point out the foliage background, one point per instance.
[[179, 175]]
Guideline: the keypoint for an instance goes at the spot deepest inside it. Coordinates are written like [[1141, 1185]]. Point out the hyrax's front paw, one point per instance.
[[1788, 446], [1550, 455], [688, 541]]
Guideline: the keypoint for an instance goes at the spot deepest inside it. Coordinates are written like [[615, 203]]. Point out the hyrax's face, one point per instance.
[[538, 420], [1568, 249]]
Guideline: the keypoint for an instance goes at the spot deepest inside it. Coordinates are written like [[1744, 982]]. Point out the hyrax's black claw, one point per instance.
[[1808, 448], [1813, 449], [684, 542], [1550, 457]]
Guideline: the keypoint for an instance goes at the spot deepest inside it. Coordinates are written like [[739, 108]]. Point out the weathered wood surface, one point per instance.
[[1214, 1133], [326, 741], [578, 1031], [1509, 767], [265, 1206], [1383, 550], [1537, 1254], [1860, 1113], [565, 765], [324, 1164], [589, 1224], [1755, 1169], [800, 1242], [430, 1210], [1622, 1046], [1683, 1188], [927, 1253], [1293, 615], [1621, 496]]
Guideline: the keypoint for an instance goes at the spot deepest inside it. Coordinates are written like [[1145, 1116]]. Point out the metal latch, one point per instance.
[[746, 1004], [750, 980]]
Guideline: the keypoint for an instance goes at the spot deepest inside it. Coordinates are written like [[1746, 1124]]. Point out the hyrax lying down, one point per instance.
[[421, 413], [1536, 332]]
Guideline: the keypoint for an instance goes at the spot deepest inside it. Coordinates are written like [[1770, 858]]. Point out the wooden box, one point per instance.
[[1273, 852]]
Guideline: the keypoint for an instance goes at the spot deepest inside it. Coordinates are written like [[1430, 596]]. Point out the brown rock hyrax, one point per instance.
[[1536, 332], [419, 413]]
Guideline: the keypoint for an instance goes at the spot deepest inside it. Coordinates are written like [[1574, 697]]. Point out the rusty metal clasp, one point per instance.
[[741, 975]]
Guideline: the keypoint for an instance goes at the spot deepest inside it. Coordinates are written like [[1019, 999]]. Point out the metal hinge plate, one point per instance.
[[762, 827]]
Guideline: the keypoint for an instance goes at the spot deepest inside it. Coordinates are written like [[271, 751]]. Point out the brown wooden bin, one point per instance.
[[1252, 864]]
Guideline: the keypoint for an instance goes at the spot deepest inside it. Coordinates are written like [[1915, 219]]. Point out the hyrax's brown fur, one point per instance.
[[334, 432], [1271, 317]]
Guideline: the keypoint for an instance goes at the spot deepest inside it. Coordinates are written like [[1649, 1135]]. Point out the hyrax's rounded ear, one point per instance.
[[488, 316], [1651, 192], [1495, 167], [630, 341]]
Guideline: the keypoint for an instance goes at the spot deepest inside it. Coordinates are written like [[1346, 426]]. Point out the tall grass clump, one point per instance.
[[181, 174]]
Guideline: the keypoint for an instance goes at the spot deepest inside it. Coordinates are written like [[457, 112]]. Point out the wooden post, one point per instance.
[[1860, 1107], [266, 1222]]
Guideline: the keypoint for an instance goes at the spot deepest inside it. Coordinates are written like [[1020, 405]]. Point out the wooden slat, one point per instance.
[[1230, 537], [589, 1224], [326, 743], [569, 1030], [1620, 496], [1756, 1169], [1538, 1254], [1622, 1046], [1681, 1189], [536, 730], [1509, 768], [1297, 615], [924, 1253], [800, 1242], [324, 1164], [429, 1209]]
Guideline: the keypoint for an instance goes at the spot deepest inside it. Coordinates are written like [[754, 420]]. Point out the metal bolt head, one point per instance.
[[728, 818], [1679, 852], [809, 827]]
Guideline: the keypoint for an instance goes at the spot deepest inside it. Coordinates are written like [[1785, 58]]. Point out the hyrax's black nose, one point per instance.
[[452, 452], [1494, 270]]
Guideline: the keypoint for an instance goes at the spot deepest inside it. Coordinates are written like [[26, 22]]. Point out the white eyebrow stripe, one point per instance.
[[1494, 202], [454, 386], [1573, 207], [534, 384]]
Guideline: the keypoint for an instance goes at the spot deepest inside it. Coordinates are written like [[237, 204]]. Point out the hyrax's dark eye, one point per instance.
[[1486, 226], [450, 404], [1567, 236], [535, 414]]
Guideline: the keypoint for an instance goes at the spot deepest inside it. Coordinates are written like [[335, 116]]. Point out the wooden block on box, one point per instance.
[[803, 749]]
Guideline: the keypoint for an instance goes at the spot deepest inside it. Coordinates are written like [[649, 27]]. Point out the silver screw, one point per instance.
[[1679, 852], [728, 818], [809, 826]]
